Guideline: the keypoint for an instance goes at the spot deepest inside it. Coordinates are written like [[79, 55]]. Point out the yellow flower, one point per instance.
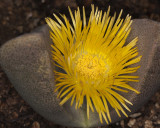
[[94, 61]]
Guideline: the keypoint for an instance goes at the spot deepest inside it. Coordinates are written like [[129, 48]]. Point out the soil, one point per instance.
[[21, 16]]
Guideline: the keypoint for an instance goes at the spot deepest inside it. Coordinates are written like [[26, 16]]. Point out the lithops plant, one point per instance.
[[95, 61], [93, 73]]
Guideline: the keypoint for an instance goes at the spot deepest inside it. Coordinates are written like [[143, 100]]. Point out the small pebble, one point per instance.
[[117, 123], [122, 123], [20, 29], [157, 105], [35, 125], [135, 115], [18, 2], [153, 112], [157, 122], [154, 117], [148, 124], [43, 1], [131, 122], [15, 115], [29, 15]]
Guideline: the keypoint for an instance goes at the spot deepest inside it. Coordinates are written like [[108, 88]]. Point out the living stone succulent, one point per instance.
[[27, 61], [95, 61]]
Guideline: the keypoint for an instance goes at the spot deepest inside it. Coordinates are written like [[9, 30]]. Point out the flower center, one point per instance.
[[90, 67]]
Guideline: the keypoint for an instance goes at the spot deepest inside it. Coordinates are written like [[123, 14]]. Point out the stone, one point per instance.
[[122, 123], [35, 124], [158, 122], [26, 61], [131, 122], [135, 115], [157, 105], [148, 124]]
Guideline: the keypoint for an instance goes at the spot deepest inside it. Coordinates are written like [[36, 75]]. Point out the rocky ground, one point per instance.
[[22, 16]]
